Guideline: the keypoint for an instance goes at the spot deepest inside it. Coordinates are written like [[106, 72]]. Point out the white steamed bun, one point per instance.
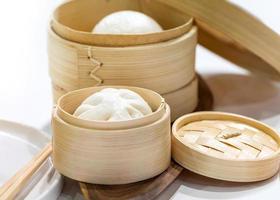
[[126, 22], [113, 105]]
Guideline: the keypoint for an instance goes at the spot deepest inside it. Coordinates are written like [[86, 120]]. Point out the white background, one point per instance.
[[25, 93]]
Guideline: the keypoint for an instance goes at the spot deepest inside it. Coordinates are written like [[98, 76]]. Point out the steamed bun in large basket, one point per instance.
[[126, 22]]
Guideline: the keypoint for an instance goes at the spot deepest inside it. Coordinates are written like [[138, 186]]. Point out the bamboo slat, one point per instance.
[[183, 100]]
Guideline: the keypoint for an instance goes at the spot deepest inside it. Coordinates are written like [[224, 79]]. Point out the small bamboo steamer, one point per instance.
[[111, 152], [163, 62], [194, 158]]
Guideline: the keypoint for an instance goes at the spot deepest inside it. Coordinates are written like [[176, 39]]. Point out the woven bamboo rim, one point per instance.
[[114, 153], [70, 23], [69, 102], [230, 169]]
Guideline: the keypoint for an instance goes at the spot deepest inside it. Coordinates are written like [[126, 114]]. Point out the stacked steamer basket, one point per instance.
[[163, 62], [115, 152]]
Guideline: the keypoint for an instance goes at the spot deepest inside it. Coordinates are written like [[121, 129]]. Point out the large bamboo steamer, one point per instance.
[[163, 62], [111, 152]]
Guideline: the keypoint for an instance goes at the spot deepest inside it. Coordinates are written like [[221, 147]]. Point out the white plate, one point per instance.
[[18, 145]]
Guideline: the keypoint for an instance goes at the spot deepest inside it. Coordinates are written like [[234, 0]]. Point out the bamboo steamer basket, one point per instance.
[[111, 152], [163, 62], [202, 144]]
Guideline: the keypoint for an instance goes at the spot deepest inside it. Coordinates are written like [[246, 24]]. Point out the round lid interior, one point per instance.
[[227, 139]]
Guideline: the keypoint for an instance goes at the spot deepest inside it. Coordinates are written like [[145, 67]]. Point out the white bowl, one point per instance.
[[18, 145]]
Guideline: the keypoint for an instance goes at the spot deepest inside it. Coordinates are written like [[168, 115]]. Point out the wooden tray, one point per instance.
[[148, 189]]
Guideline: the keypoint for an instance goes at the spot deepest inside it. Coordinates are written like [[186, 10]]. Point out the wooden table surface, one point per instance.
[[26, 93]]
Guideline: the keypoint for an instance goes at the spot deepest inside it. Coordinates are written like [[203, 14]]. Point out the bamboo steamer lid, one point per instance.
[[226, 146], [111, 152], [70, 23], [235, 34]]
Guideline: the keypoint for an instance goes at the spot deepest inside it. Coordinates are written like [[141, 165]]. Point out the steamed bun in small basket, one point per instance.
[[113, 105]]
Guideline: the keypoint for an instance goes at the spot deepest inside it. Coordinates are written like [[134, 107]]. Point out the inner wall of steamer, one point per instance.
[[70, 14]]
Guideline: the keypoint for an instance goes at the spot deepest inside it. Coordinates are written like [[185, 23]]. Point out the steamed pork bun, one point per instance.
[[126, 22], [113, 105]]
